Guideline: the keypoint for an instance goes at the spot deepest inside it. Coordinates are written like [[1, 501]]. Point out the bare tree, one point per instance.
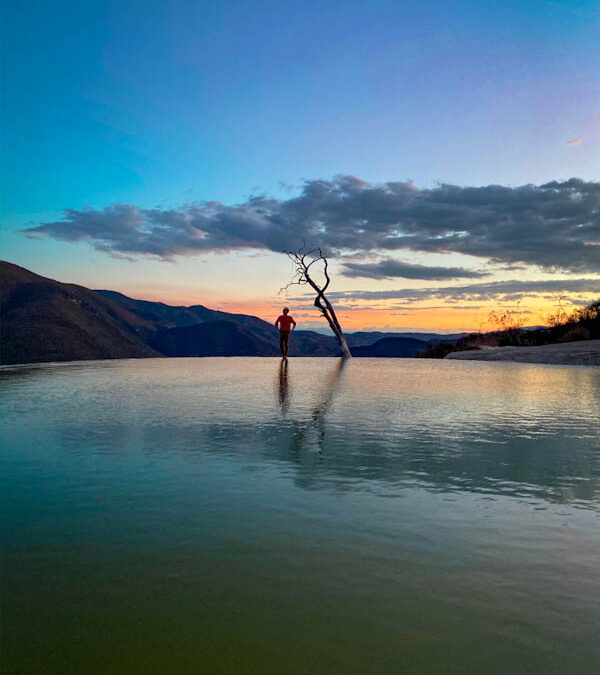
[[560, 315], [303, 261], [509, 322]]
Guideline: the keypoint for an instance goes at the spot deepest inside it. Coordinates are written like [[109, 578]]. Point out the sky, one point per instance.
[[445, 155]]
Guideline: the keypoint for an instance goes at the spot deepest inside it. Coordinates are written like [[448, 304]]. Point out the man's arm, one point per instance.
[[276, 322], [293, 323]]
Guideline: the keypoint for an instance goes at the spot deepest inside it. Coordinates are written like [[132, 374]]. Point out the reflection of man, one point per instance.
[[285, 322], [283, 385]]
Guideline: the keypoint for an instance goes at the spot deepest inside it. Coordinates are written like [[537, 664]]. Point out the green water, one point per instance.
[[225, 516]]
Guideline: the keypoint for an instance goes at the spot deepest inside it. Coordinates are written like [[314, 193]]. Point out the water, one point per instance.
[[225, 516]]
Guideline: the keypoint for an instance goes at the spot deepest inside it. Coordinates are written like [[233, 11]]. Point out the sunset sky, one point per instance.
[[446, 155]]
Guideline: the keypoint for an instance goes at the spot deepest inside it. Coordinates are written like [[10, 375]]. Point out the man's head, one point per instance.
[[286, 310]]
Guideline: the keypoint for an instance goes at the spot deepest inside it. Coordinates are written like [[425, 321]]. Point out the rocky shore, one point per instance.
[[582, 353]]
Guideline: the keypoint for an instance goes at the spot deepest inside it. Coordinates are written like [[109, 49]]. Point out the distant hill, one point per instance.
[[213, 338], [309, 343], [45, 320], [162, 316], [398, 347], [363, 338]]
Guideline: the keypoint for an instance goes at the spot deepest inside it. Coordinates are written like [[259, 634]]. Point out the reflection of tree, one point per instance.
[[435, 458], [547, 450], [312, 434]]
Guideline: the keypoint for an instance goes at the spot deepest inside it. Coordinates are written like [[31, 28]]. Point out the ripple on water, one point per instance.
[[373, 516]]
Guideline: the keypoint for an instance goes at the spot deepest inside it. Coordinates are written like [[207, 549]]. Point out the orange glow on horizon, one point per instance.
[[452, 318]]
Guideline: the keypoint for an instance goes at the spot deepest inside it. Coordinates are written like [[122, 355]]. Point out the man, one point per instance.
[[285, 322]]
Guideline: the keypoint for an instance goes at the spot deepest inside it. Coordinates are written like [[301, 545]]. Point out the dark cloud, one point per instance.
[[385, 269], [509, 291], [555, 225]]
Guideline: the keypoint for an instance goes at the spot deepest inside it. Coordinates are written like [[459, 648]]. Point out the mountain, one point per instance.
[[160, 315], [213, 338], [303, 343], [174, 319], [228, 338], [362, 338], [309, 343], [45, 320], [398, 347]]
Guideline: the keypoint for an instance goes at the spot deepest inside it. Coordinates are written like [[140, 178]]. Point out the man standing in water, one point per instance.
[[285, 322]]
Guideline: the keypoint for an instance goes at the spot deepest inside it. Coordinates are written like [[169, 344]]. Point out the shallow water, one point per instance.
[[227, 516]]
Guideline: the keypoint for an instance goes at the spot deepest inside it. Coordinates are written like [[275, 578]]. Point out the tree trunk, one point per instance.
[[329, 313], [299, 258]]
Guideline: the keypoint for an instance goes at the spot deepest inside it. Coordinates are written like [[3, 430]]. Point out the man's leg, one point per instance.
[[281, 343], [285, 336]]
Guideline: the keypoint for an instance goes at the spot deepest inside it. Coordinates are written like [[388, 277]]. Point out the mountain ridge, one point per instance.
[[392, 347], [47, 320]]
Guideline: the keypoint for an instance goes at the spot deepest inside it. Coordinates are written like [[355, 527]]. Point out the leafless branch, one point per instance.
[[302, 261]]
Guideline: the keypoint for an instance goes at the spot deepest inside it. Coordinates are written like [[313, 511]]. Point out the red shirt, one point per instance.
[[285, 322]]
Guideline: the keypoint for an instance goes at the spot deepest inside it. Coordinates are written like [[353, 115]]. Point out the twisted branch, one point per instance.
[[302, 262]]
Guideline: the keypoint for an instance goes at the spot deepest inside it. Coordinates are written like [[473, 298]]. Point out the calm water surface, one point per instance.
[[227, 516]]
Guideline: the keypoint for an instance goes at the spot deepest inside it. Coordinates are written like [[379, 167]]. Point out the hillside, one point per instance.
[[394, 347], [164, 317], [364, 338], [45, 320], [161, 315], [213, 338]]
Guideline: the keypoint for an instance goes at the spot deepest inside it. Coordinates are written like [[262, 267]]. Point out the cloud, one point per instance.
[[509, 291], [554, 226], [574, 141], [389, 268]]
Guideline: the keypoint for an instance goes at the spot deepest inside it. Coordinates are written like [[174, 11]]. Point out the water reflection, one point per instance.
[[331, 424], [283, 389], [217, 503], [310, 434]]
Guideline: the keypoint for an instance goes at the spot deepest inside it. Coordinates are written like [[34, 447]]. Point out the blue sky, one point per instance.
[[166, 103]]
